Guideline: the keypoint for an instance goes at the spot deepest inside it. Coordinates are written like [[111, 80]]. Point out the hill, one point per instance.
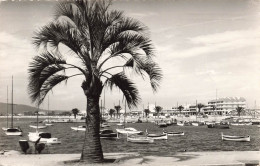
[[20, 109]]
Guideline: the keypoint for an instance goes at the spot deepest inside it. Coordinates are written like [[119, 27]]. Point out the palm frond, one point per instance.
[[51, 82], [40, 69], [128, 88]]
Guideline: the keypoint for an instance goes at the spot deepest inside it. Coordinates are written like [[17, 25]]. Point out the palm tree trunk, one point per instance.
[[92, 149]]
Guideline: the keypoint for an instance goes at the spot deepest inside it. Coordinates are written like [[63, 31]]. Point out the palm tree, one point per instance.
[[106, 45], [214, 108], [111, 112], [158, 109], [180, 108], [146, 111], [200, 106], [239, 110], [75, 111], [117, 108]]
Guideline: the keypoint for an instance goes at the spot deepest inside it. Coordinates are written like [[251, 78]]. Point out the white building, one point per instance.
[[224, 106]]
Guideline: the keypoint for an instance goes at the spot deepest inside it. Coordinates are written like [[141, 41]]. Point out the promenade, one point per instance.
[[221, 158]]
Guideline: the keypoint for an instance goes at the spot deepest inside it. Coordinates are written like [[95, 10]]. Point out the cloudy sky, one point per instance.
[[201, 46]]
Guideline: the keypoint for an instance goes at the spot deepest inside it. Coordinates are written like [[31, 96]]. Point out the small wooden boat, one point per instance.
[[218, 126], [158, 136], [162, 124], [235, 138], [14, 132], [180, 124], [241, 123], [128, 130], [79, 128], [139, 139], [108, 134], [48, 124], [172, 133], [38, 127]]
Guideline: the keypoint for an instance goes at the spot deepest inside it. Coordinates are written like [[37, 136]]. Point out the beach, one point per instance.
[[234, 158]]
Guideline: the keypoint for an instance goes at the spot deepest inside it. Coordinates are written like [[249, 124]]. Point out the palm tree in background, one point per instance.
[[146, 111], [239, 110], [75, 111], [180, 108], [117, 108], [158, 109], [104, 46], [111, 112], [200, 106]]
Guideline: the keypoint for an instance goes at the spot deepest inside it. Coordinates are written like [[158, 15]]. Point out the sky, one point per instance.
[[202, 47]]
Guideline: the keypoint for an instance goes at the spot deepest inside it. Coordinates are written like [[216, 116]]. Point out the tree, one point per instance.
[[75, 111], [158, 109], [95, 36], [146, 111], [111, 112], [239, 110], [200, 106], [117, 108], [180, 108]]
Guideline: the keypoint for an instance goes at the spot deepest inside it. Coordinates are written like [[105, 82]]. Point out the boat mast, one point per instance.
[[12, 104], [37, 118], [7, 108], [125, 112], [48, 111]]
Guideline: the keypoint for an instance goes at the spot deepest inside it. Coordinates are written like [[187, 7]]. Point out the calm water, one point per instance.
[[195, 139]]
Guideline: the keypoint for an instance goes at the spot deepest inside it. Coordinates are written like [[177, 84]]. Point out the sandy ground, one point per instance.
[[234, 158]]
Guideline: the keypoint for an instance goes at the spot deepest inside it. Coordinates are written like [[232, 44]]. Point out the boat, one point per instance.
[[108, 134], [241, 123], [218, 126], [128, 130], [235, 138], [79, 128], [13, 131], [180, 124], [162, 124], [172, 133], [196, 124], [158, 136], [37, 127], [45, 138], [139, 139]]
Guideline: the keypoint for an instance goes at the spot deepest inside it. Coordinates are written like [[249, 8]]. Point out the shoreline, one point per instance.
[[219, 158]]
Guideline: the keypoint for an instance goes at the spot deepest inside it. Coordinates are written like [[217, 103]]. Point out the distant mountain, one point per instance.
[[20, 109]]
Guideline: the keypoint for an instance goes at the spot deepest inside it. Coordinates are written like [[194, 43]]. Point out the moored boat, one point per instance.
[[14, 132], [235, 138], [158, 136], [139, 139], [79, 128], [128, 130], [108, 134], [218, 126], [38, 127], [162, 124], [172, 133]]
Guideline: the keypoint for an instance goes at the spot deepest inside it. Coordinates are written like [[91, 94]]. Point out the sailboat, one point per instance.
[[128, 130], [5, 128], [13, 131], [48, 124], [44, 136], [37, 125]]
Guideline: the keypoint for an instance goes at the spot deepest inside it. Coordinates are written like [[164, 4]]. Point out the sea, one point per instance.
[[196, 138]]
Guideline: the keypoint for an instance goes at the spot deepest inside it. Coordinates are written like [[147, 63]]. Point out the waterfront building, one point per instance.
[[224, 106]]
